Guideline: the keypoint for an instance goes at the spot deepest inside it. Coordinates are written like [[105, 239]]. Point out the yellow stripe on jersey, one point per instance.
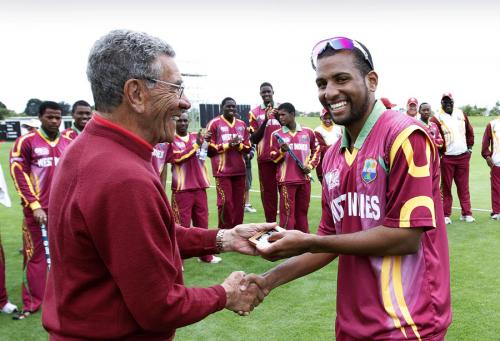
[[386, 292], [17, 152], [413, 170], [28, 181], [399, 293], [186, 156], [205, 173], [222, 161], [401, 138], [350, 157], [413, 203]]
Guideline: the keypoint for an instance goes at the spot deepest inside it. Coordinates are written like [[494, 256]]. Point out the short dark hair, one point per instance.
[[420, 106], [48, 105], [77, 103], [288, 107], [225, 100], [266, 84], [359, 58]]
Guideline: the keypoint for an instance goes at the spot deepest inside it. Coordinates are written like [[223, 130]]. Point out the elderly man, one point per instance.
[[381, 216], [116, 250]]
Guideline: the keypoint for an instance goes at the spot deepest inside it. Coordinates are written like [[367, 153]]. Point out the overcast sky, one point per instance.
[[419, 50]]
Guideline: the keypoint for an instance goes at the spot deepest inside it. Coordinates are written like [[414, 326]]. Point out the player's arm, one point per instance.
[[409, 211], [20, 159], [245, 145], [442, 150], [258, 131], [276, 153], [469, 133], [486, 145], [438, 137], [315, 151]]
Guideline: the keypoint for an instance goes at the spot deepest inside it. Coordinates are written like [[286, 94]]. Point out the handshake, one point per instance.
[[244, 292]]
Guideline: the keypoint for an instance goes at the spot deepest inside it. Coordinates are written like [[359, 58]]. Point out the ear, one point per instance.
[[135, 94], [371, 80]]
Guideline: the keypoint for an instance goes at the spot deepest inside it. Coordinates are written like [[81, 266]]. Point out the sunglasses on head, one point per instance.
[[337, 44]]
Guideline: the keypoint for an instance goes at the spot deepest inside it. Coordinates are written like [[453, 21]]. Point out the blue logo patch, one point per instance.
[[369, 172]]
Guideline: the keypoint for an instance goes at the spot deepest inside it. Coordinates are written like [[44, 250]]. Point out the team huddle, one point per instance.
[[115, 237]]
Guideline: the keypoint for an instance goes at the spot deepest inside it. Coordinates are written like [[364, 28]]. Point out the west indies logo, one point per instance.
[[369, 172]]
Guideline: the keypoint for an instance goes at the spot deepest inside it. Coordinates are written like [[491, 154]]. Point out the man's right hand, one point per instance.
[[40, 216], [490, 163], [241, 301]]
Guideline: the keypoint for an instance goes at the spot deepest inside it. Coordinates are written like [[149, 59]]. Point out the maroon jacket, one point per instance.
[[116, 251]]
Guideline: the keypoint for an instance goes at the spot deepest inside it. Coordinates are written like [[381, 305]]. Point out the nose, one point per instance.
[[330, 91], [184, 103]]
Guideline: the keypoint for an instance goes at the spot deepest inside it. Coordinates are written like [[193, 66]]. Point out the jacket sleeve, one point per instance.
[[195, 242], [20, 170], [487, 139], [469, 132], [442, 150]]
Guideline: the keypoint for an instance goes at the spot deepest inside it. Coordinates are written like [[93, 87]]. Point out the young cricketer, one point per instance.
[[81, 112]]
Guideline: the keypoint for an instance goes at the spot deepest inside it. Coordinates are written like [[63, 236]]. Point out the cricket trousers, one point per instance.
[[3, 290], [294, 204], [268, 189], [34, 264], [455, 168], [495, 189], [230, 200], [192, 206]]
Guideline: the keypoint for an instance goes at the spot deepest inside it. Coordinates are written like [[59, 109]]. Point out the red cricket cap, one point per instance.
[[387, 103], [323, 112], [447, 94], [412, 100]]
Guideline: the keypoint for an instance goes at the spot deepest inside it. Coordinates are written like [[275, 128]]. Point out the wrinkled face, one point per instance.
[[266, 92], [51, 120], [285, 117], [182, 124], [425, 112], [81, 116], [342, 90], [447, 105], [412, 110], [229, 109], [164, 107], [327, 120]]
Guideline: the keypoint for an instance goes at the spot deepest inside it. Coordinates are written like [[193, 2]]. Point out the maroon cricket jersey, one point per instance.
[[392, 179], [303, 144], [227, 161], [434, 133], [188, 171], [257, 116], [71, 132], [159, 156], [33, 159]]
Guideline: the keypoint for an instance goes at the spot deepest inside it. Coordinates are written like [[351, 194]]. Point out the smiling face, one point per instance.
[[411, 110], [229, 109], [163, 106], [342, 90]]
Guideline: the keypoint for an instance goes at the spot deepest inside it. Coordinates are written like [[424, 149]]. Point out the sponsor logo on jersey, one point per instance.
[[224, 128], [332, 179], [42, 151], [47, 162], [180, 144], [369, 172], [158, 153], [299, 146]]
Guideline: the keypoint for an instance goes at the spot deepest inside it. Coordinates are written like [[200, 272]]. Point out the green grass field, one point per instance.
[[305, 309]]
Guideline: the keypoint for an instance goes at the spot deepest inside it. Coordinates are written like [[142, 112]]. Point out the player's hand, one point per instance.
[[490, 163], [236, 239], [208, 136], [40, 216], [238, 300], [199, 138], [284, 147], [285, 244], [306, 170]]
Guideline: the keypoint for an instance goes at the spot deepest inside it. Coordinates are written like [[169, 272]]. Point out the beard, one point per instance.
[[357, 110]]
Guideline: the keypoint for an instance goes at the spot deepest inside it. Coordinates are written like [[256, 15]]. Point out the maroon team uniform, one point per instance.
[[491, 148], [159, 156], [33, 160], [294, 185], [72, 132], [189, 184], [228, 167], [458, 140], [268, 184], [391, 178]]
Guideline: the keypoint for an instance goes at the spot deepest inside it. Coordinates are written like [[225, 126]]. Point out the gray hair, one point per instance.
[[119, 56]]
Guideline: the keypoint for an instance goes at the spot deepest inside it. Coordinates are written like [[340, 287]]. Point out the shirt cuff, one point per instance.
[[35, 205]]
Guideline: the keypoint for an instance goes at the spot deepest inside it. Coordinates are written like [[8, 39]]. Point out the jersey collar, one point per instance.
[[298, 127], [377, 111]]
